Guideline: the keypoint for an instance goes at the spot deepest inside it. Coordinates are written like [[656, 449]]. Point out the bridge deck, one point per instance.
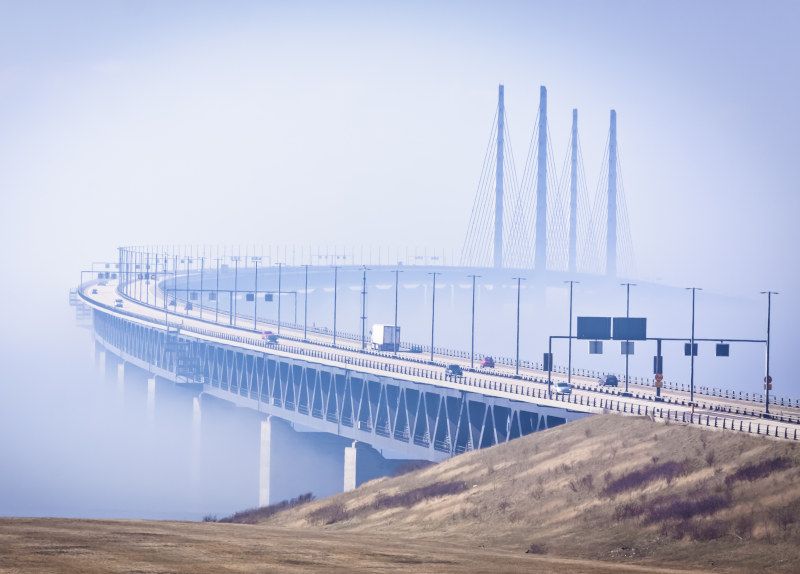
[[497, 382]]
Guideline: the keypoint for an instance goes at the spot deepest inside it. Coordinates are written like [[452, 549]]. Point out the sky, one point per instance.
[[350, 123]]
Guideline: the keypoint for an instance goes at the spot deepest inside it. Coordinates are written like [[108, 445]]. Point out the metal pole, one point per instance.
[[305, 306], [280, 266], [691, 349], [767, 378], [216, 296], [202, 269], [363, 307], [255, 298], [519, 291], [472, 326], [186, 307], [235, 288], [569, 352], [396, 298], [433, 309], [627, 315], [335, 293]]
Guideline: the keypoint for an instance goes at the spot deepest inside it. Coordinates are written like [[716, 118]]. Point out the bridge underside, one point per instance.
[[402, 418]]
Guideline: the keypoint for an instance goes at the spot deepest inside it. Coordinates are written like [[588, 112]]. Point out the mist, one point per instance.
[[355, 124]]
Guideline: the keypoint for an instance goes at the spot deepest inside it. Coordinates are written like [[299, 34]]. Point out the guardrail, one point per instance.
[[512, 387]]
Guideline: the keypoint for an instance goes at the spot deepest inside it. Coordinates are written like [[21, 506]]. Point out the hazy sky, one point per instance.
[[349, 123], [169, 122]]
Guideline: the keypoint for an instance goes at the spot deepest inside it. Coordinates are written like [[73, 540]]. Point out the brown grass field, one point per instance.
[[603, 494]]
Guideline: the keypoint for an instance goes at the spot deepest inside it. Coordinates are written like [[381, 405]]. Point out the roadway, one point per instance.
[[351, 353]]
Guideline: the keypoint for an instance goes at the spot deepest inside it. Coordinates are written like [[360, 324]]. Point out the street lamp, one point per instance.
[[472, 326], [202, 269], [305, 305], [767, 378], [569, 352], [216, 293], [280, 267], [235, 259], [397, 273], [255, 294], [335, 293], [691, 348], [364, 270], [519, 285], [627, 315], [433, 307]]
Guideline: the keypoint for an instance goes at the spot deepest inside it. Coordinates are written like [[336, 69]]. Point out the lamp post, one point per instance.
[[235, 293], [280, 267], [569, 352], [397, 273], [186, 307], [364, 270], [335, 292], [216, 294], [255, 295], [305, 305], [472, 326], [433, 308], [627, 315], [691, 349], [767, 378], [202, 269], [519, 281]]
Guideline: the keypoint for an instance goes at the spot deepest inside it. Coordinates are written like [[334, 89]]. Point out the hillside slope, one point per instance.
[[602, 488]]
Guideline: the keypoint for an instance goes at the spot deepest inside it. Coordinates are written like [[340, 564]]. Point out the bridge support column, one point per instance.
[[100, 359], [151, 399], [196, 438], [121, 380], [363, 463]]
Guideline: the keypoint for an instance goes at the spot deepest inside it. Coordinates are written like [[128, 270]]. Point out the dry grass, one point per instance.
[[603, 488]]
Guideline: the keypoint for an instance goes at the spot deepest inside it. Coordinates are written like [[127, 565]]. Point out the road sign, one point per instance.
[[768, 379], [659, 377], [597, 328], [547, 362], [630, 328]]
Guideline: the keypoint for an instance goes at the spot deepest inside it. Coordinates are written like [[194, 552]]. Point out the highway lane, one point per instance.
[[351, 352], [590, 384]]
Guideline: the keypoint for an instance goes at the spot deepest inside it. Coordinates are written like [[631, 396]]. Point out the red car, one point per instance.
[[487, 363]]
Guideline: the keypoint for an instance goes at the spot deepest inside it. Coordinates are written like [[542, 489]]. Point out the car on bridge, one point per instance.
[[415, 349], [272, 339], [563, 388], [94, 291], [487, 363], [118, 303], [453, 372], [608, 381]]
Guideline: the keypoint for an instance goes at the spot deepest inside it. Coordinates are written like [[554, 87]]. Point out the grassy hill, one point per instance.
[[603, 488]]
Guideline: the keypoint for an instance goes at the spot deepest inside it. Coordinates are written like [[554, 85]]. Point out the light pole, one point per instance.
[[335, 292], [691, 349], [202, 269], [305, 305], [216, 295], [519, 281], [433, 307], [627, 315], [472, 326], [186, 307], [255, 295], [397, 273], [280, 267], [569, 352], [364, 270], [767, 378], [235, 293]]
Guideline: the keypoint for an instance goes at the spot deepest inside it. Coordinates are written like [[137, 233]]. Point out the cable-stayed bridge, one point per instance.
[[542, 218]]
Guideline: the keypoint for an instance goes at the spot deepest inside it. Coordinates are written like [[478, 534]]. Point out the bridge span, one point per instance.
[[389, 407]]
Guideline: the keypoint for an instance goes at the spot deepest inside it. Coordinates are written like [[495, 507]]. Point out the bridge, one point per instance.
[[191, 317], [384, 407]]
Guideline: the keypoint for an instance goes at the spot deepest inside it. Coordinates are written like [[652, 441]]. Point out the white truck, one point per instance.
[[385, 337]]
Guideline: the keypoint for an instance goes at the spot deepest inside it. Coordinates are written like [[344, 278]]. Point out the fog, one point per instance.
[[361, 123]]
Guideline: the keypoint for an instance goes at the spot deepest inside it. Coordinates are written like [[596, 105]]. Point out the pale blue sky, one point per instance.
[[201, 119]]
